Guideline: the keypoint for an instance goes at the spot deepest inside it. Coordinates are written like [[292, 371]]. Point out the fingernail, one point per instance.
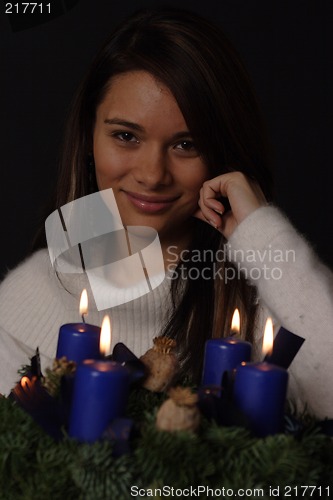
[[212, 224]]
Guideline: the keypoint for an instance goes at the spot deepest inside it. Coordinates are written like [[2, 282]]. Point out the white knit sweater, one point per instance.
[[293, 286]]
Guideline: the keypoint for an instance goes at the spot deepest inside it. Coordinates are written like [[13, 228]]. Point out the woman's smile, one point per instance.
[[150, 203]]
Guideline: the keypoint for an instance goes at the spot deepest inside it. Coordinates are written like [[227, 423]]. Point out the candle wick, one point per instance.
[[83, 318]]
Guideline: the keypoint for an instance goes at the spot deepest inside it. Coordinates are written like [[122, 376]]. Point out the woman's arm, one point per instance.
[[291, 281], [13, 355]]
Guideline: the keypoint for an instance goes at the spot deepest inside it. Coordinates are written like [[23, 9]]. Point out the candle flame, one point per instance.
[[25, 382], [84, 302], [105, 340], [235, 322], [267, 346]]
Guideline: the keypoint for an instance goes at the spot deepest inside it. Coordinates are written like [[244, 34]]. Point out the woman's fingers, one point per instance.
[[211, 210], [244, 196]]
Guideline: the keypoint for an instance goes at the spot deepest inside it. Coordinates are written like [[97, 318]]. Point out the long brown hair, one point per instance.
[[195, 60]]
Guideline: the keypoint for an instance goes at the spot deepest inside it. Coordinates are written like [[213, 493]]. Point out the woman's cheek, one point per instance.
[[109, 168]]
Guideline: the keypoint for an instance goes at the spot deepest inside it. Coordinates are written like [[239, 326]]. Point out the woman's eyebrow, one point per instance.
[[181, 135], [135, 126], [124, 123]]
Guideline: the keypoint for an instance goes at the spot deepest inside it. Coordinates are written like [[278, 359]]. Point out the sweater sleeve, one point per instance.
[[13, 355], [298, 291]]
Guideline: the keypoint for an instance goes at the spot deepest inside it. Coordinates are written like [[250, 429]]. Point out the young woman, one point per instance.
[[167, 118]]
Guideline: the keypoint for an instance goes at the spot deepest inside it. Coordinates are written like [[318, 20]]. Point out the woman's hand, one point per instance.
[[244, 196]]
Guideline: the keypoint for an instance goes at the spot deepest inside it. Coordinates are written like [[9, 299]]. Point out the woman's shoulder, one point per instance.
[[34, 302], [27, 271], [31, 281]]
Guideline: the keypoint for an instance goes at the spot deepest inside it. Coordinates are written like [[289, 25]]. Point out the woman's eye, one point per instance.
[[125, 136], [186, 146]]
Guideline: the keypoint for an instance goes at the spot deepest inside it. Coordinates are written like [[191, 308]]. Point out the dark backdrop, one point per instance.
[[287, 46]]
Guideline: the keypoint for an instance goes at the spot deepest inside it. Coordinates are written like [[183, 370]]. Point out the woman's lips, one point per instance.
[[150, 204]]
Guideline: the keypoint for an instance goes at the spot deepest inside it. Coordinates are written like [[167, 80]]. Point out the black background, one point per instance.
[[287, 47]]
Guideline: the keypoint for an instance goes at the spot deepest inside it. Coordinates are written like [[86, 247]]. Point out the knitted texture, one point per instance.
[[34, 303]]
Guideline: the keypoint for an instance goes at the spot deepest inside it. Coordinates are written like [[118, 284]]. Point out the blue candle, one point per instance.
[[260, 393], [223, 355], [100, 395], [79, 341]]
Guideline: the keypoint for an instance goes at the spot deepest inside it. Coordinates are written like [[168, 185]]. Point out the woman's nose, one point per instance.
[[152, 169]]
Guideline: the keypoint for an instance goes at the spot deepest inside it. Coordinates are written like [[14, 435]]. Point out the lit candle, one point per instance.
[[224, 354], [100, 395], [105, 338], [260, 391], [79, 341]]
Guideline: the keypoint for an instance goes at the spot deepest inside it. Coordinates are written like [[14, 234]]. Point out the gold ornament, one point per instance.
[[179, 412], [162, 364], [53, 376]]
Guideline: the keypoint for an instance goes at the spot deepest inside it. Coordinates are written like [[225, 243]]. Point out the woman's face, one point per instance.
[[143, 151]]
